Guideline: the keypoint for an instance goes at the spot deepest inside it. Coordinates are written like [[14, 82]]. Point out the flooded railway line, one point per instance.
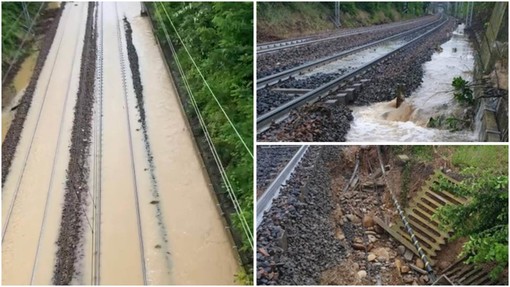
[[329, 119], [122, 211]]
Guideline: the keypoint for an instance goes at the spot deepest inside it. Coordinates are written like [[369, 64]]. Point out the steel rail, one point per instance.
[[25, 160], [280, 112], [265, 201], [284, 44], [285, 75], [130, 140], [98, 141], [57, 148]]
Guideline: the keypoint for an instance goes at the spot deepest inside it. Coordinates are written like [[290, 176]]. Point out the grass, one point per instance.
[[475, 157], [479, 158]]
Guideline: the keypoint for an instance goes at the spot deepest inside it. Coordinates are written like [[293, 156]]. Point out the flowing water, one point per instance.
[[383, 122]]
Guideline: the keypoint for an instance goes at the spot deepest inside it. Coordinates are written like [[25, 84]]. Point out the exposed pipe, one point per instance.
[[408, 227]]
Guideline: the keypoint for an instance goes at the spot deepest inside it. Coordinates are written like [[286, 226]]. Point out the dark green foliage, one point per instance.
[[484, 219], [14, 29], [219, 37], [463, 93]]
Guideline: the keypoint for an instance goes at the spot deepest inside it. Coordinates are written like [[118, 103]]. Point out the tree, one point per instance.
[[483, 220]]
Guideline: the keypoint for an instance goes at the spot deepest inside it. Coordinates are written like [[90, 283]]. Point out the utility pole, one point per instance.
[[337, 14], [467, 13], [471, 14]]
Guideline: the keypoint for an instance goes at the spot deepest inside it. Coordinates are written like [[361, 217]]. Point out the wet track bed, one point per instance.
[[329, 119], [123, 202], [278, 61]]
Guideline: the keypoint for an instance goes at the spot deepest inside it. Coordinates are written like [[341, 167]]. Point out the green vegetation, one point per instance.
[[484, 219], [462, 91], [14, 30], [493, 159], [276, 20], [219, 39]]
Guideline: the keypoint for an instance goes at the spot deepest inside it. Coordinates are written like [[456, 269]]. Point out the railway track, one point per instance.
[[292, 43], [28, 247], [97, 153], [264, 202], [342, 89], [270, 161], [115, 230], [271, 80]]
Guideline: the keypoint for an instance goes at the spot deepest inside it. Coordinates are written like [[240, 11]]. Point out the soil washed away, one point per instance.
[[105, 185], [335, 220]]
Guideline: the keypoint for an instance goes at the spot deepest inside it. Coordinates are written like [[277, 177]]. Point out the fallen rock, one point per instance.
[[340, 234], [371, 257], [401, 249], [372, 238], [358, 246], [368, 220], [263, 252], [353, 218], [398, 264], [408, 279], [382, 254], [424, 279], [404, 269], [362, 274], [403, 157], [378, 229], [419, 263], [408, 255]]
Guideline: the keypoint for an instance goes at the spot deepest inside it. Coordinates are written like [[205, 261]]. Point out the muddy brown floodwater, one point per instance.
[[177, 237], [33, 192], [382, 122]]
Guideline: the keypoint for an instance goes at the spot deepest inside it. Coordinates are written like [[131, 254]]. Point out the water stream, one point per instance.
[[383, 122]]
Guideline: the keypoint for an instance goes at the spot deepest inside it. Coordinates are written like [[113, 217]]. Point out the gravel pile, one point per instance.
[[319, 122], [296, 241], [70, 242]]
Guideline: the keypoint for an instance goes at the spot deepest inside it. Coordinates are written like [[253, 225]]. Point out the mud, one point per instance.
[[13, 135], [74, 219]]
